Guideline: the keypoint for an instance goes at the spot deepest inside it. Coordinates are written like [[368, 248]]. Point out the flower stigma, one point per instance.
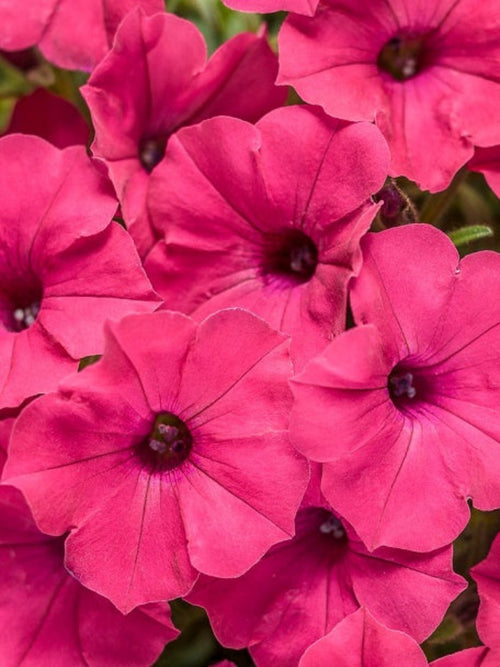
[[25, 317], [402, 57], [333, 526], [291, 254], [168, 444], [151, 152]]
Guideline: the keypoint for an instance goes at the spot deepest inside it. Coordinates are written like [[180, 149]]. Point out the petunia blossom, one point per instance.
[[51, 117], [487, 161], [66, 267], [266, 217], [168, 84], [403, 409], [49, 618], [73, 35], [304, 587], [168, 457], [361, 641], [426, 72]]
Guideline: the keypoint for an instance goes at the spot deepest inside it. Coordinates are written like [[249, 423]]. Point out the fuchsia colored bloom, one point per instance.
[[74, 35], [361, 641], [167, 457], [48, 618], [169, 84], [487, 161], [403, 409], [427, 73], [65, 267], [49, 117], [266, 217], [304, 587]]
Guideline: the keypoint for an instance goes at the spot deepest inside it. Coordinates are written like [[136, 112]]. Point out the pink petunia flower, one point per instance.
[[65, 267], [306, 586], [361, 641], [70, 34], [427, 73], [169, 84], [266, 217], [50, 117], [49, 618], [487, 161], [167, 458], [403, 409]]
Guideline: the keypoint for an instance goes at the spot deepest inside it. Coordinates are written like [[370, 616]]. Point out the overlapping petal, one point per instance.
[[169, 84], [412, 67], [268, 218], [67, 268], [73, 36], [403, 409], [51, 618], [216, 508]]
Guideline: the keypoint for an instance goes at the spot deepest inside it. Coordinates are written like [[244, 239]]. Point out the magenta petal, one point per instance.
[[487, 576], [51, 220], [50, 117], [142, 526], [307, 7], [469, 657], [252, 362], [153, 451], [169, 84], [51, 617], [34, 363], [348, 382], [84, 286], [248, 511], [23, 29], [78, 37], [487, 161], [236, 202], [431, 276], [370, 645]]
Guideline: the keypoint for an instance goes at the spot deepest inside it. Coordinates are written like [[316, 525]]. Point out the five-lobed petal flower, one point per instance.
[[402, 409], [168, 457]]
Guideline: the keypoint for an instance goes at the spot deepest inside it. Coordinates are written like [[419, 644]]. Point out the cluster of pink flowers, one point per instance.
[[285, 416]]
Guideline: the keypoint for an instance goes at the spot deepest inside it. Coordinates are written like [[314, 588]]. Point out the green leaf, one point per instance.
[[88, 361], [465, 235]]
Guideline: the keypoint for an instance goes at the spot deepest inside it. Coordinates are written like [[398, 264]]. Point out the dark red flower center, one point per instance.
[[403, 57], [407, 387], [19, 305], [291, 254], [151, 151], [168, 445]]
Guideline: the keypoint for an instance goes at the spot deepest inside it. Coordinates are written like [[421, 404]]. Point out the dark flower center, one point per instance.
[[168, 445], [151, 151], [407, 387], [20, 302], [25, 317], [291, 254], [333, 526], [402, 57]]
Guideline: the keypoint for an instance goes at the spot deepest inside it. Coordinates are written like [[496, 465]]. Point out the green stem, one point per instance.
[[436, 205]]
